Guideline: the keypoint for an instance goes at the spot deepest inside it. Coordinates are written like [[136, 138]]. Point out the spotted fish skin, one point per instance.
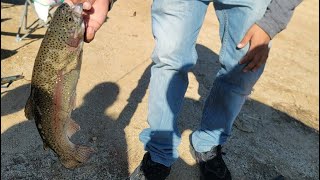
[[53, 85]]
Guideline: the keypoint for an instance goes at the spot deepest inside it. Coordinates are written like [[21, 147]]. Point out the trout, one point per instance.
[[53, 85]]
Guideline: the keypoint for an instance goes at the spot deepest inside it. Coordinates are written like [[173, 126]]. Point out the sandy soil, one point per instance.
[[276, 133]]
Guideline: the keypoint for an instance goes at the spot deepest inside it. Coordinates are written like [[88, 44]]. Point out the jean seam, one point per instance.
[[225, 36], [162, 111], [215, 88], [226, 123]]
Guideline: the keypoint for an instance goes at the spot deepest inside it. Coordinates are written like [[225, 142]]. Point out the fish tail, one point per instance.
[[70, 163], [83, 153], [80, 155]]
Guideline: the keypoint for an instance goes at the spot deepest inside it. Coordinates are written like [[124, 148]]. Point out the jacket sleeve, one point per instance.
[[277, 16], [111, 4]]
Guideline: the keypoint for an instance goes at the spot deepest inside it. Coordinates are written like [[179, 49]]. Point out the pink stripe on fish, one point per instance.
[[57, 100]]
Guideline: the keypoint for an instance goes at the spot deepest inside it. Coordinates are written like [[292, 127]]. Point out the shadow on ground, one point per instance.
[[266, 142], [14, 100], [5, 19], [31, 36], [32, 24], [5, 53]]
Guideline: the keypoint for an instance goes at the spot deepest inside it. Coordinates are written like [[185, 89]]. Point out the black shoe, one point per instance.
[[212, 166], [149, 170]]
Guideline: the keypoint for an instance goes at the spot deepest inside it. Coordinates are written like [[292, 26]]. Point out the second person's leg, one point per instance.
[[176, 25]]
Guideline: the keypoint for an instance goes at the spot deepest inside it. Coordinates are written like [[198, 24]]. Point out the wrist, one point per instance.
[[267, 35]]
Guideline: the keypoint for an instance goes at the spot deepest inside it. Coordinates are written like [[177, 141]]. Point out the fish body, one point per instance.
[[53, 85]]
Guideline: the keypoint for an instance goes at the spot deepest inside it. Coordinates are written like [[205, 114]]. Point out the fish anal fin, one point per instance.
[[73, 127]]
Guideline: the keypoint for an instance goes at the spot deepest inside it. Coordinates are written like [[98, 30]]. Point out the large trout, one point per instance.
[[53, 85]]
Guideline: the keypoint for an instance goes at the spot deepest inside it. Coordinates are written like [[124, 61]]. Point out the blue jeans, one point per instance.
[[176, 25]]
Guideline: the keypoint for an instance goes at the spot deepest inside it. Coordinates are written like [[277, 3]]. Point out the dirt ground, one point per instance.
[[276, 133]]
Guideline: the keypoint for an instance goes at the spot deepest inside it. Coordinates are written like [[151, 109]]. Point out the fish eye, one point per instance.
[[70, 19]]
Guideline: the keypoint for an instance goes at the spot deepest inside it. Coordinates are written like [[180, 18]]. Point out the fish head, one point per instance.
[[68, 22]]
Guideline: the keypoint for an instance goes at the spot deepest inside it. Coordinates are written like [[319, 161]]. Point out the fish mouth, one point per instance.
[[76, 33], [77, 9]]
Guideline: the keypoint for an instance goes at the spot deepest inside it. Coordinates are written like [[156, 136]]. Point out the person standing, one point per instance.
[[246, 30]]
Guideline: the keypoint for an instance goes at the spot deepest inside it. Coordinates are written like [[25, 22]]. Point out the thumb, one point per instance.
[[245, 39], [90, 33]]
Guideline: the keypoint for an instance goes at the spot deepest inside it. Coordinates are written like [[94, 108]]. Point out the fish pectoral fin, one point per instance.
[[73, 127], [83, 153]]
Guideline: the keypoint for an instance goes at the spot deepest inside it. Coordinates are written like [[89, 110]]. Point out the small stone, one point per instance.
[[94, 138]]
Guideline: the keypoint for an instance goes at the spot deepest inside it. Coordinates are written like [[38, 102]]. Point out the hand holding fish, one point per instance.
[[94, 15]]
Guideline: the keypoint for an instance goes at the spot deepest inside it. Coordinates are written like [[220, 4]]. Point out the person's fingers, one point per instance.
[[246, 39], [244, 60], [87, 5], [89, 36], [252, 64], [248, 57], [262, 61]]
